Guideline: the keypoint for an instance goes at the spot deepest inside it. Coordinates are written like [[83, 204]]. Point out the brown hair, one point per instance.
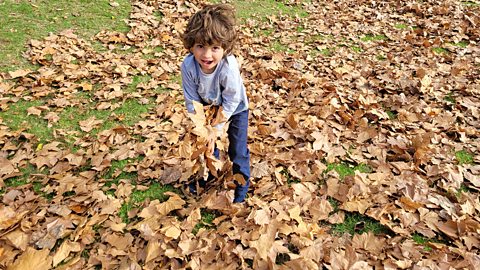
[[212, 24]]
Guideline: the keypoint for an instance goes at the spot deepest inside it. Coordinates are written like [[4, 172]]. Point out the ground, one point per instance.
[[364, 119]]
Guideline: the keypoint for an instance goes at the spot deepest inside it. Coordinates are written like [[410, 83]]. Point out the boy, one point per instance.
[[211, 75]]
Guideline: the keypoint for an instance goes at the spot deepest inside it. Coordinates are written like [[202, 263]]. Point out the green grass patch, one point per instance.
[[263, 8], [401, 26], [422, 240], [450, 98], [368, 38], [355, 223], [439, 50], [463, 189], [326, 52], [71, 116], [464, 157], [471, 3], [334, 203], [116, 172], [392, 115], [276, 46], [22, 179], [289, 177], [461, 44], [23, 20], [155, 191], [131, 111], [128, 114], [345, 169], [26, 178], [356, 49], [380, 57], [206, 221], [16, 118]]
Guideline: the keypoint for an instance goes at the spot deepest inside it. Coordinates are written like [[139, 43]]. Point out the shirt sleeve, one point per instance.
[[232, 92], [189, 89]]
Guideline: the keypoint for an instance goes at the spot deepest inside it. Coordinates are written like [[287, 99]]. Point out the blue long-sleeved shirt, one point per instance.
[[224, 87]]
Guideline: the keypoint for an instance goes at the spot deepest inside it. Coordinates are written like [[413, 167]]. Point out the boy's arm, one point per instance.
[[189, 90], [232, 92], [231, 95]]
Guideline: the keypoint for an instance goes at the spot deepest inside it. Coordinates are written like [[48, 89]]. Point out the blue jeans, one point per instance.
[[239, 153]]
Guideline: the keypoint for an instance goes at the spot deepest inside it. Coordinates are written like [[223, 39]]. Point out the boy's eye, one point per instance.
[[199, 46], [216, 48]]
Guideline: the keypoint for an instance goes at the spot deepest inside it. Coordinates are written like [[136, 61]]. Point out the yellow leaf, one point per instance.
[[39, 147]]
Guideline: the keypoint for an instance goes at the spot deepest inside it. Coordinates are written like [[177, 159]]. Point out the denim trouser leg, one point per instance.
[[238, 152]]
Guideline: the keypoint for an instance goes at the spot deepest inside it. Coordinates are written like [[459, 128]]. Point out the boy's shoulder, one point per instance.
[[231, 63], [188, 60]]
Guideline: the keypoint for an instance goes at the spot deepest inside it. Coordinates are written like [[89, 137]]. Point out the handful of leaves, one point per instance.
[[208, 136]]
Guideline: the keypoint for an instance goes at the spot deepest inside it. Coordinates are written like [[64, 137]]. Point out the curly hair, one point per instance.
[[211, 25]]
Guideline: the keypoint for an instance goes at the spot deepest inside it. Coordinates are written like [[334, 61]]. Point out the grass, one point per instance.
[[16, 118], [131, 112], [116, 172], [206, 221], [22, 179], [463, 189], [264, 8], [155, 191], [471, 3], [368, 38], [464, 157], [450, 98], [401, 26], [345, 169], [289, 177], [23, 20], [422, 240], [334, 203], [461, 44], [356, 49], [392, 115], [279, 47], [356, 223], [380, 57], [439, 50]]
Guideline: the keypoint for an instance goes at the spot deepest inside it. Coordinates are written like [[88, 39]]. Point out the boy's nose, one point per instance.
[[207, 53]]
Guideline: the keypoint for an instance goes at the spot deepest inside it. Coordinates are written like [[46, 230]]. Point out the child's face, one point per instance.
[[208, 56]]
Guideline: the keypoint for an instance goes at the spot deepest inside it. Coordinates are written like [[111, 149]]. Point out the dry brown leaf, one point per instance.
[[33, 259]]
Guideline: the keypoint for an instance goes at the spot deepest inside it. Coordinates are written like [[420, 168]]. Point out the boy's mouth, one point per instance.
[[207, 62]]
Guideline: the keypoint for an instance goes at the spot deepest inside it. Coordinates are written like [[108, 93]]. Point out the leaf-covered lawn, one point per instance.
[[364, 136]]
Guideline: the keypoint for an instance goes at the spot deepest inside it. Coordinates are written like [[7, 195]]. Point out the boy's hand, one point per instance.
[[219, 130]]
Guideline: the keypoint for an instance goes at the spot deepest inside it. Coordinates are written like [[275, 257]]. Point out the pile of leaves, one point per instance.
[[353, 88]]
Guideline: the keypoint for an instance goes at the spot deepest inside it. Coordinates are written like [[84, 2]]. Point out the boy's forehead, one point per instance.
[[208, 42]]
